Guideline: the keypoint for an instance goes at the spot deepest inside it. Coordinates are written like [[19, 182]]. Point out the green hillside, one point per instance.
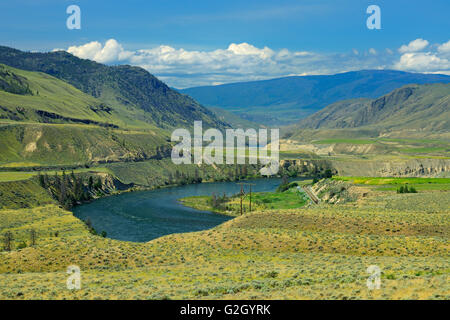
[[67, 144], [424, 107], [46, 122], [132, 92], [38, 97]]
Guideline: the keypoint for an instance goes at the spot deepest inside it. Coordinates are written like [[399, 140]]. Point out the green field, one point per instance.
[[348, 141], [393, 181]]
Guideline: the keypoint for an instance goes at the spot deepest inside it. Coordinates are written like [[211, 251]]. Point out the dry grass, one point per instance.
[[310, 253]]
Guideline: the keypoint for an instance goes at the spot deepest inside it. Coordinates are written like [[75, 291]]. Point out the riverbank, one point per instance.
[[291, 198], [254, 256], [145, 215]]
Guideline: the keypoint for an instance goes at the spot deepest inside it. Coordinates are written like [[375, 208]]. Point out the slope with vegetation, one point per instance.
[[130, 91], [424, 107], [318, 252], [110, 126], [286, 100]]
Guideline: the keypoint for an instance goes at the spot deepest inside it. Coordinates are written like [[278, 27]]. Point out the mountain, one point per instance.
[[38, 97], [287, 100], [412, 107], [132, 92], [46, 121], [233, 119]]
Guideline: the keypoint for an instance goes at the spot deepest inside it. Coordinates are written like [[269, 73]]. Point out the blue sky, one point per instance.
[[188, 43]]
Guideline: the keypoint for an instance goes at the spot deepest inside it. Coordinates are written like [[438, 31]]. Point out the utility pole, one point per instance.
[[242, 194], [33, 237], [250, 198]]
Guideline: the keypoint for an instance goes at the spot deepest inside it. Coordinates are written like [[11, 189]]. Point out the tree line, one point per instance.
[[70, 190]]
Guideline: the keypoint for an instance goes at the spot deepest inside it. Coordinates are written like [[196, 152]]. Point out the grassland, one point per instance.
[[368, 148], [9, 176], [393, 181], [389, 184], [315, 252]]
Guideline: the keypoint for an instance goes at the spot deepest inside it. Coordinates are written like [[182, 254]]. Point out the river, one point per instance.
[[145, 215]]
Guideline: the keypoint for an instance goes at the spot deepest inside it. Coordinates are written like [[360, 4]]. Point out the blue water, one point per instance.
[[146, 215]]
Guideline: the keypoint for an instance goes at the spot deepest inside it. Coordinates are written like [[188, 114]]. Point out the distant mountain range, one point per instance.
[[131, 92], [423, 108], [287, 100]]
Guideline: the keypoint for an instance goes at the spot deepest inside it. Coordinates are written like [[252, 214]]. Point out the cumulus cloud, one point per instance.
[[112, 51], [445, 47], [245, 62], [430, 61], [414, 46]]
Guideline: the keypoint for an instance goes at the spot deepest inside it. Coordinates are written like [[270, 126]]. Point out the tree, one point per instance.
[[78, 190], [214, 200], [245, 170], [33, 237], [7, 241], [63, 191], [42, 180], [57, 181], [88, 223], [98, 184], [284, 185]]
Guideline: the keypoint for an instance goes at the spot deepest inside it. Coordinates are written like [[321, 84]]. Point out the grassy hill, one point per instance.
[[75, 145], [287, 100], [46, 122], [38, 97], [131, 91], [424, 107]]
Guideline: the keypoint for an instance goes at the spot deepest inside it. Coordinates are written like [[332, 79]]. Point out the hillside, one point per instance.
[[233, 119], [131, 91], [38, 97], [424, 107], [287, 100]]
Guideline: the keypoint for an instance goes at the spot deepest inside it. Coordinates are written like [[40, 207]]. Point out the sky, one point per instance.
[[190, 43]]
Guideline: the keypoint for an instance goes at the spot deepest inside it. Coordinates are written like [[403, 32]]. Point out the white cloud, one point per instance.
[[422, 62], [431, 61], [414, 46], [111, 52], [445, 47], [245, 62]]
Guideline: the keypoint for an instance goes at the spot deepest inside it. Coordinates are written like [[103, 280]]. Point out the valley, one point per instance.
[[87, 179]]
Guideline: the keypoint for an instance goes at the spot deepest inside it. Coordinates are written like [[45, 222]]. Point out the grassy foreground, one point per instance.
[[315, 252]]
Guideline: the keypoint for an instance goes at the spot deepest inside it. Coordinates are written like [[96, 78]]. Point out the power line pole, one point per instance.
[[33, 237], [250, 198], [242, 194]]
